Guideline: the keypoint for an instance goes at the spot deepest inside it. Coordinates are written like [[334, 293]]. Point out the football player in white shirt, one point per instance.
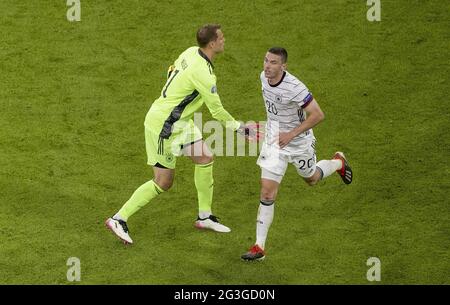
[[292, 112]]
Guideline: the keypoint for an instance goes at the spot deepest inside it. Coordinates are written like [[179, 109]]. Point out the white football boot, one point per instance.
[[211, 223], [120, 228]]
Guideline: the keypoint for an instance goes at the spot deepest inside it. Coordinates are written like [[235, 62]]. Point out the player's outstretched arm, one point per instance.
[[205, 84]]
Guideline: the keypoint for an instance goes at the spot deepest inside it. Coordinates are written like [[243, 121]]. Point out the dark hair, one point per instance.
[[281, 52], [206, 34]]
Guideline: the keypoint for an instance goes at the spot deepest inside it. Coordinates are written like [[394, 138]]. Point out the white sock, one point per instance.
[[263, 221], [329, 166], [118, 217], [204, 214]]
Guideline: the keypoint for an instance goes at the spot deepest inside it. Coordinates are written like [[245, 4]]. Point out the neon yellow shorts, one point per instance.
[[165, 152]]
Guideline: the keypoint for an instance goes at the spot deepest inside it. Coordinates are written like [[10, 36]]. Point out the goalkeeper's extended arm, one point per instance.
[[205, 83]]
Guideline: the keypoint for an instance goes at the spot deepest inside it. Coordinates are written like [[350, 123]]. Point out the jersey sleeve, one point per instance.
[[302, 96], [205, 83]]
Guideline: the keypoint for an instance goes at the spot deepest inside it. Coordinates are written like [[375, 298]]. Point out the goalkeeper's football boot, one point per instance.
[[211, 223], [254, 254], [345, 172], [120, 228]]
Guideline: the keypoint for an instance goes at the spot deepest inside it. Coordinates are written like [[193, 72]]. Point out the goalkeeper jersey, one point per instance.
[[190, 83]]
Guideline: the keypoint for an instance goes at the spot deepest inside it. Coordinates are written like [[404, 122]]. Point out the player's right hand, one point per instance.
[[252, 132]]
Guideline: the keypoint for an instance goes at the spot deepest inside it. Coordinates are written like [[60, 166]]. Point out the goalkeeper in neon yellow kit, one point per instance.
[[170, 131]]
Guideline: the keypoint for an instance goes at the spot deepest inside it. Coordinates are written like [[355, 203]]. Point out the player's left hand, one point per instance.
[[284, 138]]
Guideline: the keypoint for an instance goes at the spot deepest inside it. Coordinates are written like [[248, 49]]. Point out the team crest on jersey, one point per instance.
[[278, 98], [213, 89]]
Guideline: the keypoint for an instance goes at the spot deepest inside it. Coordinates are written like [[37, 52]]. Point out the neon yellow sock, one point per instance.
[[204, 182], [139, 199]]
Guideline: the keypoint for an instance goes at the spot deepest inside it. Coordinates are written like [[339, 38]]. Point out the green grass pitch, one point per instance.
[[73, 96]]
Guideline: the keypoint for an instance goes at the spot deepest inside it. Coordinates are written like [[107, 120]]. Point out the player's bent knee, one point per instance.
[[165, 184], [311, 181], [267, 195], [207, 159]]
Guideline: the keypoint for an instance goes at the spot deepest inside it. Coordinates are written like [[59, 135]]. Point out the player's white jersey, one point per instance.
[[284, 107]]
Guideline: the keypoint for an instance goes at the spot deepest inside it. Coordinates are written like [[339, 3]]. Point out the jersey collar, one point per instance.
[[205, 57], [281, 80]]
